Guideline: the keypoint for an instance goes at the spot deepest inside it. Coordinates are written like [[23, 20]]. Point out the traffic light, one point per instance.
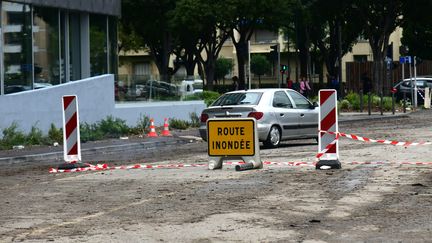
[[283, 68], [274, 52]]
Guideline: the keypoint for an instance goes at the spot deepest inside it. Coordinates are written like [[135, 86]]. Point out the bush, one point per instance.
[[209, 97], [112, 127], [196, 96], [90, 132], [35, 137], [195, 120], [55, 134], [354, 100], [12, 136], [344, 105], [179, 124], [142, 126]]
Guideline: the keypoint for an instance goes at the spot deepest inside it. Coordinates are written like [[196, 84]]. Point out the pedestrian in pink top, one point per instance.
[[304, 87]]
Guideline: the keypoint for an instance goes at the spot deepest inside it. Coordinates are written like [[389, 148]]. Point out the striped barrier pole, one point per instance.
[[71, 133], [328, 142]]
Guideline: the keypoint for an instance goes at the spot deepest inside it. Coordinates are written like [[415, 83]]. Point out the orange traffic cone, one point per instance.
[[166, 131], [152, 132]]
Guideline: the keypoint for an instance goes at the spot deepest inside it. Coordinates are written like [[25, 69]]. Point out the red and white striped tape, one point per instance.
[[100, 167], [105, 167], [329, 146], [364, 139]]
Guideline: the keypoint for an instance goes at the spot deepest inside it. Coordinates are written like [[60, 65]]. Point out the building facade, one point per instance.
[[49, 42]]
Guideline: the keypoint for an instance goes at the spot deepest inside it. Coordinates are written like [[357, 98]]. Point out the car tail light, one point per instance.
[[204, 117], [255, 114]]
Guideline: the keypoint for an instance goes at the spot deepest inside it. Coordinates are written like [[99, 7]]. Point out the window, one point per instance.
[[46, 45], [281, 100], [265, 36], [299, 100], [17, 46], [112, 40], [360, 58], [98, 45], [238, 99], [74, 46], [141, 69]]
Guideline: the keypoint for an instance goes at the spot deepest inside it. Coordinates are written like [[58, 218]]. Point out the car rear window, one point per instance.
[[249, 98]]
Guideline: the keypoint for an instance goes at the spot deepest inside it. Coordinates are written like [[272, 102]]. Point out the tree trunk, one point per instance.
[[241, 61]]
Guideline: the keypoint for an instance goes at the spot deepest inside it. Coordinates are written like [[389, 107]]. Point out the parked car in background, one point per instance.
[[10, 89], [188, 87], [281, 114], [406, 87]]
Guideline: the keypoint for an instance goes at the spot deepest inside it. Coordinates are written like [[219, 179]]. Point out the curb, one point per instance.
[[372, 117], [58, 156]]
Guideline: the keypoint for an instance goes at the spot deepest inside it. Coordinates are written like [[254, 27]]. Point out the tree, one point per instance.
[[202, 29], [149, 19], [223, 68], [314, 30], [333, 31], [251, 15], [380, 19], [417, 28], [260, 66]]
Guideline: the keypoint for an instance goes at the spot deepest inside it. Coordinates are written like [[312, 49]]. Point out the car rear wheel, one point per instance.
[[273, 138]]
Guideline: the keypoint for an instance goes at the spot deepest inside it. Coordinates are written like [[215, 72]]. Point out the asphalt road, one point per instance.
[[381, 194]]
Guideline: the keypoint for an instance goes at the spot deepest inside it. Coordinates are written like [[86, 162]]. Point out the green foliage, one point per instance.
[[387, 103], [90, 132], [12, 136], [344, 105], [196, 96], [182, 125], [209, 97], [55, 134], [142, 126], [35, 137], [260, 65], [178, 124], [375, 100], [113, 127], [354, 100], [195, 120], [223, 67]]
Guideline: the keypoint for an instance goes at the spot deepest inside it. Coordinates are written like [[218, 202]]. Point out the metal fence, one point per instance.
[[354, 71]]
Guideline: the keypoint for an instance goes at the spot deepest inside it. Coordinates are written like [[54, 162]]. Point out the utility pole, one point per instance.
[[278, 65], [415, 82], [340, 56], [249, 66]]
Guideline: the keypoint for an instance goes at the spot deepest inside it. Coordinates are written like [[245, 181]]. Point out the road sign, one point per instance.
[[328, 128], [231, 137], [405, 59], [71, 133]]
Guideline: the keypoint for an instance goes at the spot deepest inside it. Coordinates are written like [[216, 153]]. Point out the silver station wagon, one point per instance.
[[281, 114]]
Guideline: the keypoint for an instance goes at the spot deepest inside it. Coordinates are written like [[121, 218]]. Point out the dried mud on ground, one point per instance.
[[360, 203]]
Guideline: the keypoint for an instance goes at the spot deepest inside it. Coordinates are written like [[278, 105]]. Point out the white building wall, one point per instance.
[[42, 107]]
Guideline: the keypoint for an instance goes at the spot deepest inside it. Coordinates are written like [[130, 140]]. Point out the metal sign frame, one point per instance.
[[252, 159]]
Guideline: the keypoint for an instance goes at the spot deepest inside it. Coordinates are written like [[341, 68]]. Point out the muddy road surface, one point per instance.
[[383, 193]]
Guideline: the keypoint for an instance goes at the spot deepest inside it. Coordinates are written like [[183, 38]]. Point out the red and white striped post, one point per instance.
[[328, 122], [71, 132]]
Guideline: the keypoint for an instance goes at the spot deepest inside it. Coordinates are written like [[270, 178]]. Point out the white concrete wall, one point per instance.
[[95, 100], [42, 107], [132, 112]]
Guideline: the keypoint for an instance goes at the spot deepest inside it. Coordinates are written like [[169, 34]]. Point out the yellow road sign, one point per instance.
[[231, 137]]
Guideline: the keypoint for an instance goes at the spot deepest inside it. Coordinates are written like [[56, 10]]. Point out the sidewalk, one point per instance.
[[359, 116], [50, 154]]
